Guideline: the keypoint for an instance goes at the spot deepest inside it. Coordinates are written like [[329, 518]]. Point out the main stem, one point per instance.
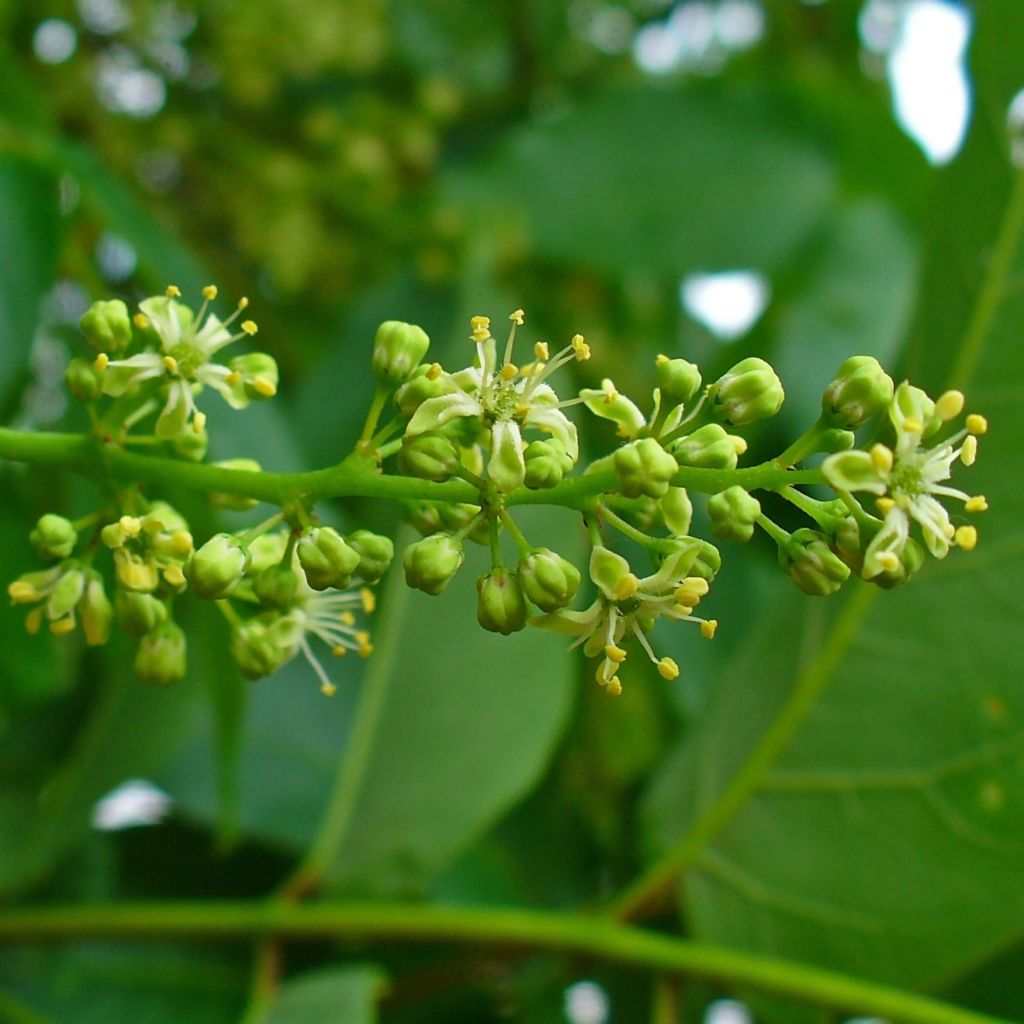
[[507, 928]]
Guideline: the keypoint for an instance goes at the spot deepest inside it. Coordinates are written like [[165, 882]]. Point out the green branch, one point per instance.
[[508, 928]]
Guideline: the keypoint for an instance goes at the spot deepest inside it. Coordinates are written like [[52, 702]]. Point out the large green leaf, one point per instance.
[[886, 837], [337, 995], [659, 181]]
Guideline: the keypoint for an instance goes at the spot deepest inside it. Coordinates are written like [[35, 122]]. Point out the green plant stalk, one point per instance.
[[508, 928], [354, 477]]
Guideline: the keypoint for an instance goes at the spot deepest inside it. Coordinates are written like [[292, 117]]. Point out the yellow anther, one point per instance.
[[888, 560], [131, 525], [949, 530], [516, 316], [480, 323], [885, 505], [949, 405], [668, 669], [509, 371], [61, 627], [967, 538], [339, 651], [369, 600], [434, 371], [170, 363], [692, 589], [141, 321], [613, 653], [739, 443], [249, 326], [881, 458], [33, 621], [174, 575], [580, 347], [969, 450], [152, 524], [614, 686], [101, 362], [979, 503], [21, 592], [243, 302], [626, 587], [199, 422], [976, 424], [610, 394], [181, 543], [522, 408], [328, 689], [233, 378], [913, 425], [541, 350], [661, 359], [682, 609], [172, 291], [263, 386], [708, 627], [347, 619], [210, 292]]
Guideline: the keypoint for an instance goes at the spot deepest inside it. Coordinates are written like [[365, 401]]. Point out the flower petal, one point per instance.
[[853, 471], [553, 421], [435, 412], [935, 525], [892, 537], [506, 466]]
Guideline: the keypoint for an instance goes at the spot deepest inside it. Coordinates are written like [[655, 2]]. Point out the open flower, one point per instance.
[[184, 362], [907, 479], [627, 607], [507, 400]]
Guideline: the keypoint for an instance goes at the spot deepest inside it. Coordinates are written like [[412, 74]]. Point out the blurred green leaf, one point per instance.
[[336, 995], [657, 181]]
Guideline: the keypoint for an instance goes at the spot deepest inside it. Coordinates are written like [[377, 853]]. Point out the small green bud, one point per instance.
[[707, 562], [548, 580], [644, 468], [733, 513], [397, 350], [812, 565], [501, 603], [276, 586], [53, 536], [160, 658], [375, 554], [258, 373], [138, 614], [66, 594], [458, 516], [162, 516], [83, 380], [836, 440], [96, 611], [266, 550], [749, 392], [861, 389], [430, 564], [326, 559], [423, 384], [218, 566], [430, 456], [611, 572], [709, 447], [262, 644], [547, 462], [236, 502], [678, 380], [191, 445], [423, 516], [107, 326], [676, 510]]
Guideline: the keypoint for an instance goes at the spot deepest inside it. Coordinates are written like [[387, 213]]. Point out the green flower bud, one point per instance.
[[96, 612], [191, 445], [676, 510], [812, 565], [707, 562], [678, 380], [276, 586], [397, 350], [267, 550], [162, 516], [53, 536], [548, 580], [861, 389], [107, 326], [501, 603], [258, 373], [83, 380], [423, 384], [430, 456], [836, 440], [709, 447], [236, 502], [644, 468], [262, 644], [733, 513], [160, 658], [546, 463], [138, 614], [430, 564], [66, 594], [456, 517], [611, 572], [326, 559], [375, 554], [218, 566], [749, 392], [423, 516]]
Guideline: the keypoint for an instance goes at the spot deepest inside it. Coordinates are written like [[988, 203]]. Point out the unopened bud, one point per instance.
[[326, 559], [749, 392], [708, 447], [276, 586], [733, 513], [107, 326], [811, 564], [375, 554], [96, 612], [429, 456], [191, 444], [431, 564], [644, 468], [676, 510], [262, 644], [160, 659], [501, 603], [53, 536], [397, 350], [138, 614], [421, 385], [218, 566], [547, 462], [83, 380], [861, 389], [678, 380], [549, 580]]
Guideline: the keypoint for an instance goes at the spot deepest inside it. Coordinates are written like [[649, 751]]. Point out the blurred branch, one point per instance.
[[511, 928]]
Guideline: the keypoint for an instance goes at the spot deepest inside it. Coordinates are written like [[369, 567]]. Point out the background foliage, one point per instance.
[[349, 162]]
